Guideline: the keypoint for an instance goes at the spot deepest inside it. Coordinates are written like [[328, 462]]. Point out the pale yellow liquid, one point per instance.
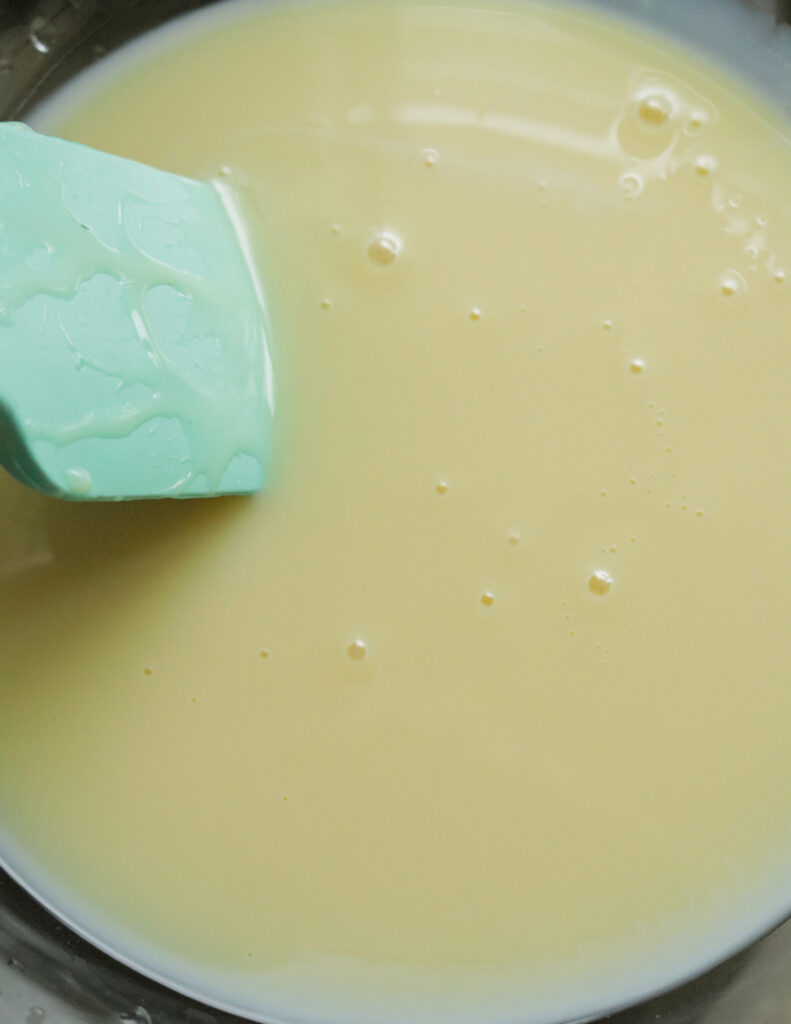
[[380, 744]]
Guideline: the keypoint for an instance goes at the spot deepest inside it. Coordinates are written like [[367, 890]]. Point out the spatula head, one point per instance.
[[133, 348]]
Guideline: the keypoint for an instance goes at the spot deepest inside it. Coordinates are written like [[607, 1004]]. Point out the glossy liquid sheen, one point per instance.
[[482, 711]]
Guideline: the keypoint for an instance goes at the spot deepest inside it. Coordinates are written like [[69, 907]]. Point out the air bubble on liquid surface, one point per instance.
[[78, 481], [696, 122], [42, 35], [647, 127], [430, 157], [357, 650], [139, 1015], [384, 249], [655, 106], [36, 1015], [637, 365], [705, 165], [732, 283], [631, 184], [600, 583]]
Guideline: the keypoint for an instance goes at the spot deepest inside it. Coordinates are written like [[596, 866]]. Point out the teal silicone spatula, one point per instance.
[[133, 348]]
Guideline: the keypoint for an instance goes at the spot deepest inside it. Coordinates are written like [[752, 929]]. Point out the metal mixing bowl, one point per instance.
[[48, 975]]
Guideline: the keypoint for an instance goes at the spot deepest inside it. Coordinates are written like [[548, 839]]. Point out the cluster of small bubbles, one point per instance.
[[475, 313], [732, 283], [263, 653], [357, 650], [631, 184], [705, 165], [384, 249], [600, 583], [637, 365], [430, 157], [487, 599], [325, 304], [441, 487]]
